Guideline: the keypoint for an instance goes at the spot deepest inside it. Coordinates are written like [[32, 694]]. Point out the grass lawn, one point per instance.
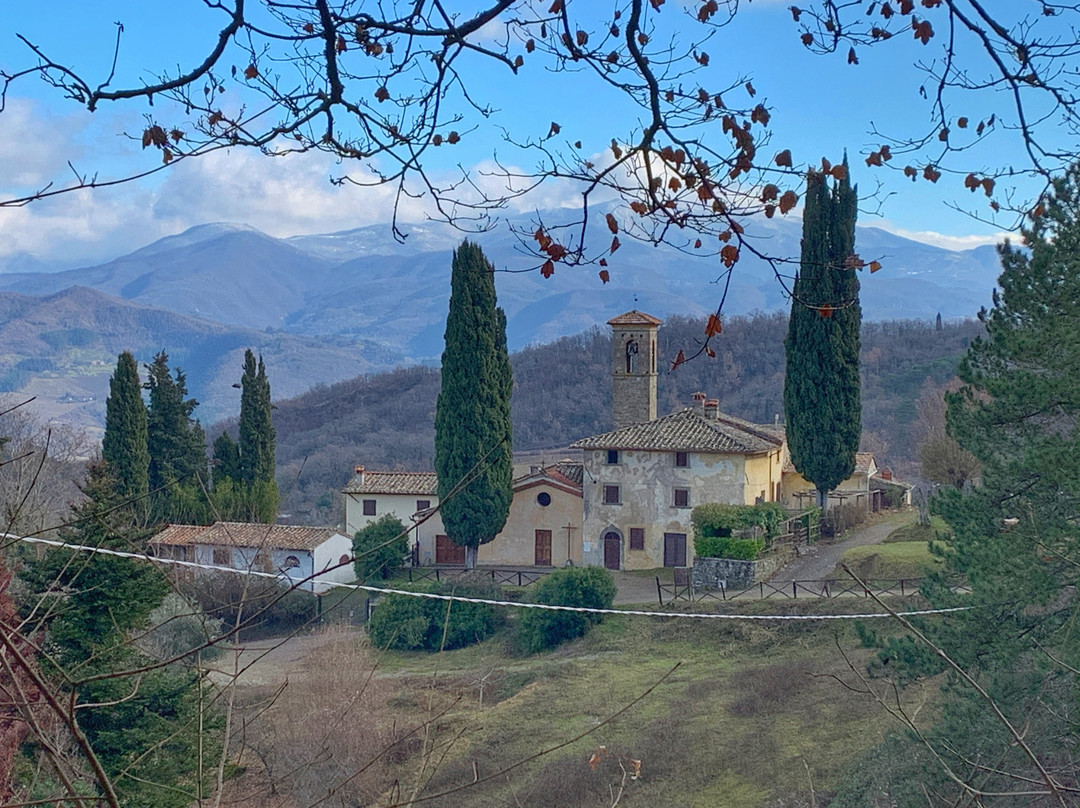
[[937, 529], [904, 559]]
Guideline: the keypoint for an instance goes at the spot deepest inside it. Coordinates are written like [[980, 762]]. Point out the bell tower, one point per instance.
[[633, 368]]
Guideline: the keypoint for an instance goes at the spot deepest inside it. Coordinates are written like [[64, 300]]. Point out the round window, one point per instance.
[[543, 498]]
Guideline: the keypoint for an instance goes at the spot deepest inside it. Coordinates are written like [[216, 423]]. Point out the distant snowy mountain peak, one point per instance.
[[363, 285]]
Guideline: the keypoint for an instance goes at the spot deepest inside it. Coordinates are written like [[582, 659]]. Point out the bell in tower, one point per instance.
[[633, 369]]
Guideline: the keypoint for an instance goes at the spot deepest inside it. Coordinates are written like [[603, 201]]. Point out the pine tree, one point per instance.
[[1014, 545], [124, 445], [821, 389], [177, 445], [143, 727], [257, 442], [472, 414]]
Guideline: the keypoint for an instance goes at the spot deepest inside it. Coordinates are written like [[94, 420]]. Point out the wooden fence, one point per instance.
[[503, 577], [682, 589]]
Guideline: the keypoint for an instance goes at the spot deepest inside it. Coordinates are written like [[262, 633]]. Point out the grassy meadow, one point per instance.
[[706, 712]]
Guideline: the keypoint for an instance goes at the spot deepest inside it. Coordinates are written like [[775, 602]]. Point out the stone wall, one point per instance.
[[729, 573]]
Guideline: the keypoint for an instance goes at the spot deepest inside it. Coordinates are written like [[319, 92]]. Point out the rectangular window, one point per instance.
[[611, 495], [682, 460], [369, 507], [612, 457], [637, 538], [222, 557], [682, 497], [423, 504]]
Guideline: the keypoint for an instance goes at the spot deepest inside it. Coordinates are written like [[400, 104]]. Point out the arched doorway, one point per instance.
[[612, 550]]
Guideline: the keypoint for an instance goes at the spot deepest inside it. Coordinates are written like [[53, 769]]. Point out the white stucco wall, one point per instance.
[[328, 554], [403, 506]]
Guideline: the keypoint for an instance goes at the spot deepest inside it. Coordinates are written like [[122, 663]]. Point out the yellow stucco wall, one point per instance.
[[516, 544], [763, 472]]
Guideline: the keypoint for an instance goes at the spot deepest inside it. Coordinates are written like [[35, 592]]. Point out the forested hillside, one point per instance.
[[562, 392]]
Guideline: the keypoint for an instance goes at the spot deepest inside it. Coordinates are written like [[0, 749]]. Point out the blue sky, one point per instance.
[[820, 104]]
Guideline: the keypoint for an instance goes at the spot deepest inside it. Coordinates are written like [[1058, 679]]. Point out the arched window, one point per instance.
[[290, 562], [631, 356]]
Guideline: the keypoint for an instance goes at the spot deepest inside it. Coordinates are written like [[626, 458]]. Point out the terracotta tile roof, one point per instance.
[[635, 317], [690, 431], [574, 472], [177, 534], [245, 534], [864, 461], [394, 482], [550, 475]]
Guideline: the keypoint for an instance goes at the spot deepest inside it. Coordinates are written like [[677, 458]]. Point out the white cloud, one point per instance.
[[283, 196], [34, 146], [942, 240]]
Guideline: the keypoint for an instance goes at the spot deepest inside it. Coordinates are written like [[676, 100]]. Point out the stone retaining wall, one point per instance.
[[729, 573]]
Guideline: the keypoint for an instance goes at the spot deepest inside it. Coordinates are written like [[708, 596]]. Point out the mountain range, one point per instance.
[[323, 308]]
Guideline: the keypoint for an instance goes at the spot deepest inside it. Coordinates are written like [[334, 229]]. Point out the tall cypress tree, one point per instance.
[[257, 441], [472, 415], [821, 389], [124, 447], [176, 442]]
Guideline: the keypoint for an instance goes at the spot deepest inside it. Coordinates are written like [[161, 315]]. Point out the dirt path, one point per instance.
[[272, 660], [818, 561], [634, 588]]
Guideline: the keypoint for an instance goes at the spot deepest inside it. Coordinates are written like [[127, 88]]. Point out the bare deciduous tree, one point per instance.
[[391, 89]]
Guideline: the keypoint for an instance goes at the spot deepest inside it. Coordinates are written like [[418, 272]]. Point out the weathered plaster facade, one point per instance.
[[643, 479], [648, 481]]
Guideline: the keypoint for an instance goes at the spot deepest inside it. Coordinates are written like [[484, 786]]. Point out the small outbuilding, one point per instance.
[[313, 557]]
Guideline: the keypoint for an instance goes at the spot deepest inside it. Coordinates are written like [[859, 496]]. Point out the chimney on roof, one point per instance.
[[699, 400], [885, 473], [360, 474], [712, 408]]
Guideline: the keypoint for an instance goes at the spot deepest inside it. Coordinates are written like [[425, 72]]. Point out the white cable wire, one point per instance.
[[459, 599]]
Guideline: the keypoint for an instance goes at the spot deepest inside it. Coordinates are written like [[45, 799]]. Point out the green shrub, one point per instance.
[[264, 606], [380, 548], [591, 587], [406, 623], [724, 547], [714, 519]]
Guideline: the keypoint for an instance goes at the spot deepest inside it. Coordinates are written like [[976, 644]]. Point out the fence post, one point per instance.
[[659, 591], [761, 590], [901, 587], [794, 591]]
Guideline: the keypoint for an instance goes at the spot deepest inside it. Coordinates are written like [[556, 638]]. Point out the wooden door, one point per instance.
[[612, 551], [543, 548], [674, 549], [447, 552]]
